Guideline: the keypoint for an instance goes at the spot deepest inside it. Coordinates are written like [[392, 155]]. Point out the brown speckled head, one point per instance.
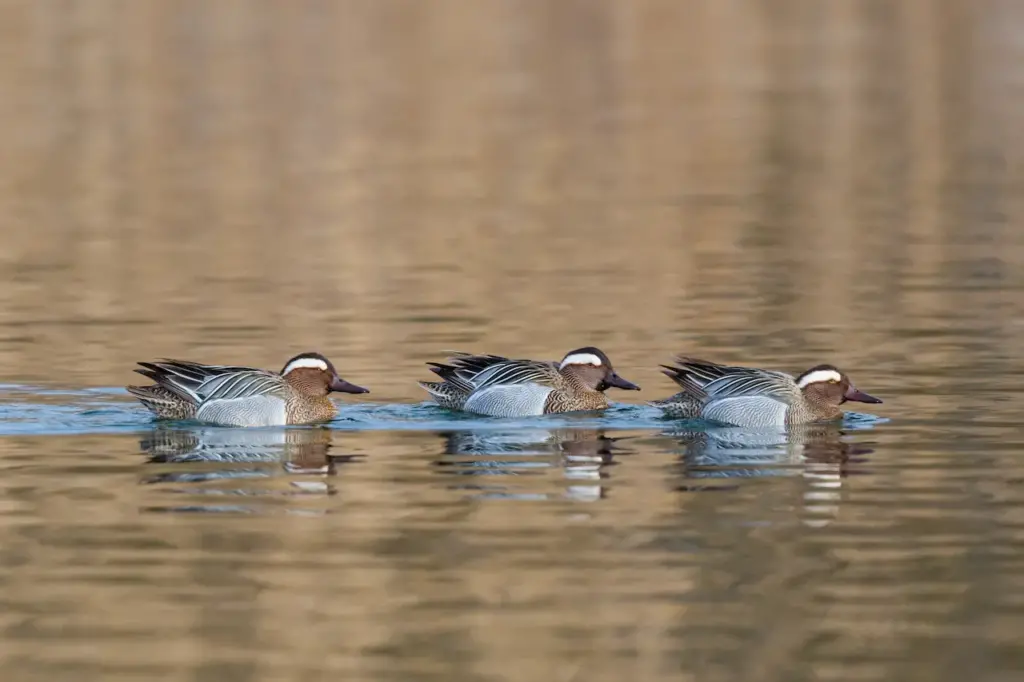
[[592, 368], [313, 375], [827, 388]]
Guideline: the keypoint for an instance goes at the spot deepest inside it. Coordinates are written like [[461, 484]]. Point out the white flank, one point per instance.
[[820, 375], [305, 363], [580, 359]]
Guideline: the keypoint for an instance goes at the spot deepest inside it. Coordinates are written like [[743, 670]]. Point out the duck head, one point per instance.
[[594, 370], [827, 385], [313, 375]]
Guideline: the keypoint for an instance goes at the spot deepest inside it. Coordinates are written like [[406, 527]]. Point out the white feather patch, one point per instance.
[[307, 363], [819, 375], [580, 359]]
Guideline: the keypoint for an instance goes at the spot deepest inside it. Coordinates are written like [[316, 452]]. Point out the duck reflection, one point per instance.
[[583, 455], [819, 453], [243, 462]]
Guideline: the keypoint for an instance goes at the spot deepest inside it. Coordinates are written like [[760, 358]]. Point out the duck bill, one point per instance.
[[618, 382], [339, 385], [856, 396]]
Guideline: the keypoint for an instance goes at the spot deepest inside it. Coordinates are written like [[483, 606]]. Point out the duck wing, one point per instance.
[[512, 372], [693, 374], [742, 382], [204, 383], [712, 381], [474, 372]]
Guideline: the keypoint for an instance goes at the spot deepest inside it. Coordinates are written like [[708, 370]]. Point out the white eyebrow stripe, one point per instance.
[[819, 375], [310, 363], [580, 359]]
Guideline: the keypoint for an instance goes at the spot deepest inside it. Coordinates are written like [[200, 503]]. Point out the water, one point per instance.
[[777, 184]]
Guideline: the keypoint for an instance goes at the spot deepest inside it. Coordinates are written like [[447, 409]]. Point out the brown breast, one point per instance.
[[306, 410]]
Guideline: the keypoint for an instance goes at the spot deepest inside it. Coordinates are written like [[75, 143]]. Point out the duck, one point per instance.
[[497, 386], [751, 397], [226, 395]]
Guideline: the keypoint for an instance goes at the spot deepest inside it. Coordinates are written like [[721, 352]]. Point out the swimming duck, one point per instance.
[[501, 387], [243, 396], [746, 396]]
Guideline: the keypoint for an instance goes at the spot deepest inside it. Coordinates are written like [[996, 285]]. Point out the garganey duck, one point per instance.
[[746, 396], [243, 396], [501, 387]]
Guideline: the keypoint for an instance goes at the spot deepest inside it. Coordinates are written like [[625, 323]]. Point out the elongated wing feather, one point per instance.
[[189, 372], [515, 372], [463, 368], [752, 382], [242, 384], [711, 380], [200, 383], [693, 374], [703, 370], [474, 372], [473, 364]]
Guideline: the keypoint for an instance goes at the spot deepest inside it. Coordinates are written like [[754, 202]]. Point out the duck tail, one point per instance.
[[444, 394], [682, 405], [162, 402], [434, 388]]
